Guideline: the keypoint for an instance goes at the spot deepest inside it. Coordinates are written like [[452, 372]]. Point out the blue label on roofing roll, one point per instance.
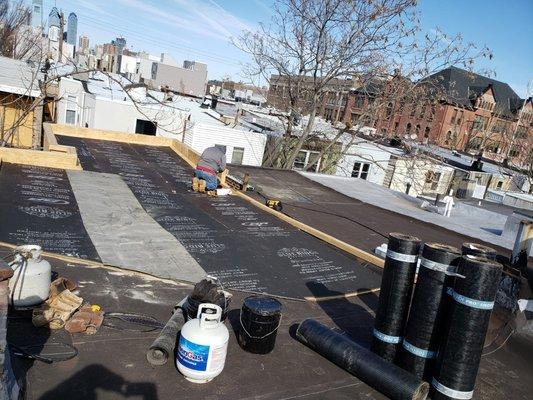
[[417, 351], [467, 301], [192, 355], [387, 338]]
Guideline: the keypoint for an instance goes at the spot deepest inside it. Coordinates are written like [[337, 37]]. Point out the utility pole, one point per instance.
[[61, 29]]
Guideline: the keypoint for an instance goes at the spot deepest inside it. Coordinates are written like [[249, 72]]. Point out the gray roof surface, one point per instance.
[[19, 77], [465, 219]]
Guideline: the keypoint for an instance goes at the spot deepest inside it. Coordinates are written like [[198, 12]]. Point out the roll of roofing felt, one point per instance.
[[381, 375], [460, 350], [429, 309], [395, 294], [163, 346], [475, 249]]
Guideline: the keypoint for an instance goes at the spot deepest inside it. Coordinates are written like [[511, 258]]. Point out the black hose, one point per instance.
[[379, 374], [395, 294], [462, 342], [163, 346], [429, 309], [44, 352]]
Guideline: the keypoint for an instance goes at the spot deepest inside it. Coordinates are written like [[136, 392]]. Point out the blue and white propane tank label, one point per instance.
[[192, 355]]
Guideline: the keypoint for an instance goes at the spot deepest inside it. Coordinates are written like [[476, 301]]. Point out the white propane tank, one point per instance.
[[203, 345], [30, 283]]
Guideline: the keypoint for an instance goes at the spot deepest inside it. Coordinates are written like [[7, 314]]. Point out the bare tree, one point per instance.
[[311, 47], [17, 39]]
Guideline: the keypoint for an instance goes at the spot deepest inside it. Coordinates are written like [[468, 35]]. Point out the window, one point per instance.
[[236, 157], [389, 110], [359, 101], [494, 147], [474, 144], [422, 112], [460, 118], [426, 132], [499, 185], [432, 180], [360, 170], [454, 116], [514, 151], [299, 161], [396, 125], [355, 118], [417, 129], [521, 132], [480, 122], [145, 127], [70, 116], [307, 160], [408, 128]]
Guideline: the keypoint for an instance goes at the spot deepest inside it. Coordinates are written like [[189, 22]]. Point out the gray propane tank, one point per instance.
[[30, 283], [203, 345]]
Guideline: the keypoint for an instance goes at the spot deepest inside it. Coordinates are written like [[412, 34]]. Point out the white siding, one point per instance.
[[122, 116], [84, 106], [205, 135], [365, 152]]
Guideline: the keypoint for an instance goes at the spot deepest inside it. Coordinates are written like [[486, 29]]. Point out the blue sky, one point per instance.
[[200, 29]]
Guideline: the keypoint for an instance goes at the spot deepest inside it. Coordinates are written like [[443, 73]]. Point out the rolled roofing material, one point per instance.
[[460, 351], [395, 294], [163, 346], [381, 375], [429, 309]]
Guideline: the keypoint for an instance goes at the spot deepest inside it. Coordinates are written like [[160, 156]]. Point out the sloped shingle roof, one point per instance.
[[459, 84]]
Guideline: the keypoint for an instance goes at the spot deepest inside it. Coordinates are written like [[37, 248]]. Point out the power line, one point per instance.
[[111, 27]]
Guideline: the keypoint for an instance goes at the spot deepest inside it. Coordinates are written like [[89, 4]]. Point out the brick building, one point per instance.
[[472, 113]]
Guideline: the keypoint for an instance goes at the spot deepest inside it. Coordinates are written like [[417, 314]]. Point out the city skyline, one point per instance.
[[160, 27]]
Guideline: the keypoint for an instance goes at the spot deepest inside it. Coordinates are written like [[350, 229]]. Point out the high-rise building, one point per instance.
[[84, 43], [119, 43], [54, 23], [37, 13], [54, 19], [72, 28]]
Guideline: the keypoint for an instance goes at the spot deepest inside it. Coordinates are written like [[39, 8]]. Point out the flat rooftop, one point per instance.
[[112, 365], [136, 236], [361, 213]]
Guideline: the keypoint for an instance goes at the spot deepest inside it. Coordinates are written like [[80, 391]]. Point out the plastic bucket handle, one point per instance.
[[208, 320], [260, 337]]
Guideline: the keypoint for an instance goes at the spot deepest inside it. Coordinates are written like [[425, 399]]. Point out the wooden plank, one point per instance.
[[363, 255], [342, 296], [99, 134], [48, 159]]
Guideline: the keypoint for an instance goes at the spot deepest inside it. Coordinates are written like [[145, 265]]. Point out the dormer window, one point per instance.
[[484, 104]]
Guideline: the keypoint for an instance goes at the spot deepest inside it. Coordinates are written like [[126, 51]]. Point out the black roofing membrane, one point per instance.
[[231, 239], [37, 206]]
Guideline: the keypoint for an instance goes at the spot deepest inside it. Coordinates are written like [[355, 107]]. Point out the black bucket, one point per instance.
[[191, 306], [259, 322]]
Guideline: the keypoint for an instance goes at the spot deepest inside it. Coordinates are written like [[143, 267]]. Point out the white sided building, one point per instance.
[[97, 101], [366, 160]]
